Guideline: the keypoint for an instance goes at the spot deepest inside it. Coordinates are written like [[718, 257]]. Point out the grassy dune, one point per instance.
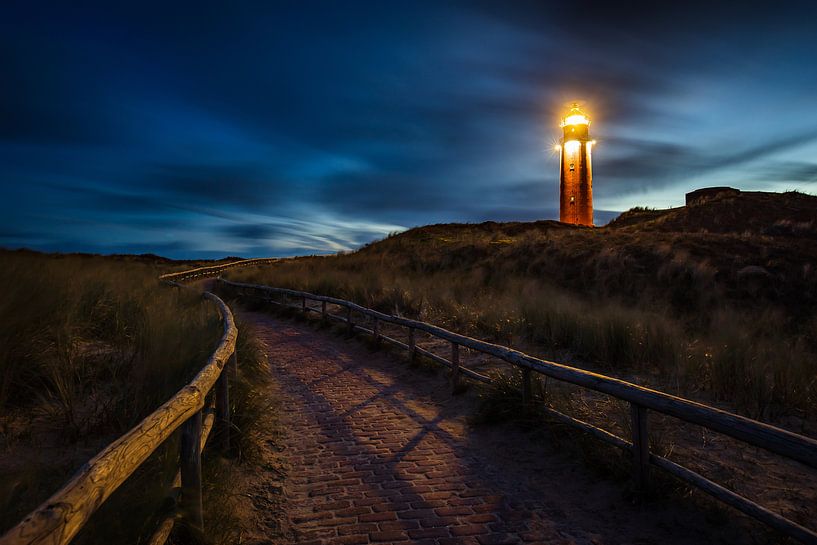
[[95, 344], [703, 301], [90, 345]]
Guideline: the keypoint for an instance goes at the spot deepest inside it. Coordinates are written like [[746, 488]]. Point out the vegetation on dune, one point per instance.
[[89, 346], [254, 419], [692, 302], [93, 345]]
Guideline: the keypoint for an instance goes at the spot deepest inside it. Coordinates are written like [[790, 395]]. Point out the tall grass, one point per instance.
[[640, 306], [255, 426], [88, 347], [94, 344]]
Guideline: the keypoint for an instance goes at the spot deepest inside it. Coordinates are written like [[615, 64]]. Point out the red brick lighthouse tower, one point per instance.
[[576, 173]]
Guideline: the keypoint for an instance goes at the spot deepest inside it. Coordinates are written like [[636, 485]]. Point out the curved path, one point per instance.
[[379, 452]]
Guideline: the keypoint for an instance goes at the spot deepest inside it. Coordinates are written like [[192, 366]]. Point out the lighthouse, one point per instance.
[[575, 169]]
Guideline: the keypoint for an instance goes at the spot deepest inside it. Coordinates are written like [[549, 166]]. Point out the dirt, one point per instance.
[[261, 486]]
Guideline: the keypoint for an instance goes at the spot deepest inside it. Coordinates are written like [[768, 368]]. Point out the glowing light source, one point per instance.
[[557, 147], [572, 146], [576, 119]]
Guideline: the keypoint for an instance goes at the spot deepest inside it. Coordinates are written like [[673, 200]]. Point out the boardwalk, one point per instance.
[[381, 453]]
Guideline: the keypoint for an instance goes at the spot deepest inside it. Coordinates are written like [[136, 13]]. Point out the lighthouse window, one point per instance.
[[571, 167]]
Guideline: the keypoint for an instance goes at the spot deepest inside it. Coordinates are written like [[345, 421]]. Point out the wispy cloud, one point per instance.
[[286, 129]]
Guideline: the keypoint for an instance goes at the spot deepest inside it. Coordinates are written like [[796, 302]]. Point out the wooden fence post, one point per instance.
[[641, 447], [349, 320], [223, 408], [411, 345], [526, 385], [323, 310], [376, 331], [191, 475], [303, 304], [455, 367]]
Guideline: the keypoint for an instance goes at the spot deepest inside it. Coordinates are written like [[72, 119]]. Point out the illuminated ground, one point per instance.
[[379, 452]]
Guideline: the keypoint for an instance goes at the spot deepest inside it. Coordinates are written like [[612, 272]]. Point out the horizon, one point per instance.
[[198, 132]]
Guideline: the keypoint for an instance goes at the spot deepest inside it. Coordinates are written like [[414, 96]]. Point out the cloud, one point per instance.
[[117, 203], [801, 172], [301, 129], [382, 192], [634, 165], [219, 185], [321, 234]]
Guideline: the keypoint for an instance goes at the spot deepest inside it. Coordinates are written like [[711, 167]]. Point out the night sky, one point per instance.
[[283, 128]]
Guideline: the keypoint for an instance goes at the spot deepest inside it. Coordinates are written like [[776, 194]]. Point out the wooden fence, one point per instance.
[[215, 270], [58, 520], [641, 400]]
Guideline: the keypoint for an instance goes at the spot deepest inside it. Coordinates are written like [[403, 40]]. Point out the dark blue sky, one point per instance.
[[280, 128]]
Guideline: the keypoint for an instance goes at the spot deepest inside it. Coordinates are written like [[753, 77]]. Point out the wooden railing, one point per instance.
[[214, 270], [641, 400], [58, 520]]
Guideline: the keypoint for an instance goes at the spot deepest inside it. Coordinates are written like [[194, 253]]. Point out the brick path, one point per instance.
[[382, 453]]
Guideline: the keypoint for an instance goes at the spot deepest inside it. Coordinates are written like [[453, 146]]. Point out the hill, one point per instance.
[[139, 259], [760, 213], [753, 249], [719, 296]]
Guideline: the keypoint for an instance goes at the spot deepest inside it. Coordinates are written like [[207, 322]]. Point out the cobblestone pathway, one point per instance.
[[379, 452]]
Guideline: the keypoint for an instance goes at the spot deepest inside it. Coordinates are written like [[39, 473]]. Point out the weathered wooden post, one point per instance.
[[349, 320], [376, 331], [303, 304], [526, 385], [412, 345], [641, 447], [455, 367], [190, 469], [323, 310], [223, 408]]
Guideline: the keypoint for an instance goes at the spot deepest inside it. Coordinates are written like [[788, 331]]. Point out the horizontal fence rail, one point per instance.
[[779, 441], [214, 270], [58, 520]]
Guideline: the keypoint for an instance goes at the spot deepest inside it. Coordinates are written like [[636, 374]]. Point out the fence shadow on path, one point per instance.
[[383, 451]]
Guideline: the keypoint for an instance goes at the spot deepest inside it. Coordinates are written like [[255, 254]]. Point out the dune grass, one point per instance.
[[254, 419], [666, 307], [89, 346]]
